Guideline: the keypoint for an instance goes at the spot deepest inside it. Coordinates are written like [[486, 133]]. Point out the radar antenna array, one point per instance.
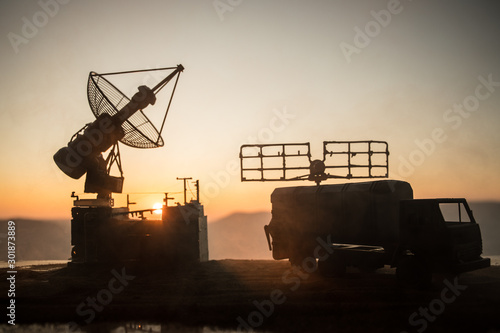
[[289, 161], [104, 97], [118, 119]]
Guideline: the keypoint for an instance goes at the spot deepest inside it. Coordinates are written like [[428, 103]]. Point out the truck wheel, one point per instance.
[[414, 272], [333, 266]]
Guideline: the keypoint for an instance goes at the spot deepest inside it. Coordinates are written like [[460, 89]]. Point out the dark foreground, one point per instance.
[[260, 295]]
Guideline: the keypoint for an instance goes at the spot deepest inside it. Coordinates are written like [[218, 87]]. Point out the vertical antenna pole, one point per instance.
[[129, 202], [165, 200], [184, 179], [197, 184]]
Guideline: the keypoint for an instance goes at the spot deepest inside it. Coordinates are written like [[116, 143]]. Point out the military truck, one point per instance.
[[372, 224], [367, 224]]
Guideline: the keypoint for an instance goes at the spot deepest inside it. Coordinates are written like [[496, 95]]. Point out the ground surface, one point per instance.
[[260, 295]]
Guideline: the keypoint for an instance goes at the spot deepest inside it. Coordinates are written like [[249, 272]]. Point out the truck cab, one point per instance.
[[442, 234]]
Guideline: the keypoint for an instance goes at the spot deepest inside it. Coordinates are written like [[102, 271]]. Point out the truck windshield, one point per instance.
[[454, 212]]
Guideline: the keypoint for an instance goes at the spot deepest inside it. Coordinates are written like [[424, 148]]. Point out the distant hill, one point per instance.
[[487, 215], [38, 239], [237, 236]]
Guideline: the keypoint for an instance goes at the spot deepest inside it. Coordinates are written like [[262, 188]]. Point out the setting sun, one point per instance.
[[157, 208]]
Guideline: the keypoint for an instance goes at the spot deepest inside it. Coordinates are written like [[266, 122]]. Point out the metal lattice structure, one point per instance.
[[104, 97], [118, 119], [289, 161]]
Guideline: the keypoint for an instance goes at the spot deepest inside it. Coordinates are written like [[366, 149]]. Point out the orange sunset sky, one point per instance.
[[422, 75]]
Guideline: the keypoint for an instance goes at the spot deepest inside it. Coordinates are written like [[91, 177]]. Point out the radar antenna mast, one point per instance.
[[118, 119]]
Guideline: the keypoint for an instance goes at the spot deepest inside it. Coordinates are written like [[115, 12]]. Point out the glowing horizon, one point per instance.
[[421, 76]]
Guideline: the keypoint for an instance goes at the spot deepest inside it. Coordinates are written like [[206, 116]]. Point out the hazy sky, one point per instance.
[[423, 75]]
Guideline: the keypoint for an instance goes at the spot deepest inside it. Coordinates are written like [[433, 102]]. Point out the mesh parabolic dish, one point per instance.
[[104, 97]]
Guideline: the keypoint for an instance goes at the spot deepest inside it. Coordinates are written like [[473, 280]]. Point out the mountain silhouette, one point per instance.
[[237, 236]]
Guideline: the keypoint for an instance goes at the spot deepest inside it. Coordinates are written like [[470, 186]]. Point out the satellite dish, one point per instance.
[[105, 98], [118, 119]]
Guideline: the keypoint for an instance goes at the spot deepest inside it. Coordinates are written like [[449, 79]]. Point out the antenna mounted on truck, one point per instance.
[[288, 161]]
